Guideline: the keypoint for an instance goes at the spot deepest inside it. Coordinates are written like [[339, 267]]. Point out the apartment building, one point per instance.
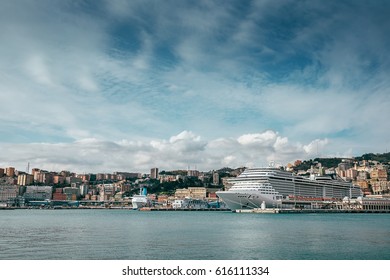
[[193, 192], [25, 179]]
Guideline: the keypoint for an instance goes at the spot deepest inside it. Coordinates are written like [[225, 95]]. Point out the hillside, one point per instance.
[[333, 162]]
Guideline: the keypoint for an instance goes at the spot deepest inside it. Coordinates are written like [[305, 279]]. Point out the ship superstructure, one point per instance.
[[141, 200]]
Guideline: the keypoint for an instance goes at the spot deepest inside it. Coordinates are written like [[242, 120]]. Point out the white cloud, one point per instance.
[[184, 136], [181, 150], [314, 147], [259, 139]]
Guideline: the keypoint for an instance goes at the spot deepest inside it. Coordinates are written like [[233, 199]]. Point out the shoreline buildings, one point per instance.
[[114, 189]]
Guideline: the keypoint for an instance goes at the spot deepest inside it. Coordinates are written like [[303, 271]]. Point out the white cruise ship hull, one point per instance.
[[247, 200]]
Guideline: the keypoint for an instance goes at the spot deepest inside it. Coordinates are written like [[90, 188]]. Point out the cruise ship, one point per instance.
[[141, 200], [268, 187]]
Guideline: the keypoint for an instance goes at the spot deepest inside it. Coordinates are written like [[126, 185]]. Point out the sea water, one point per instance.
[[90, 234]]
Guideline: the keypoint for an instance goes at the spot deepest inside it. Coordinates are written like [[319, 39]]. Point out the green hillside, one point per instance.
[[333, 162]]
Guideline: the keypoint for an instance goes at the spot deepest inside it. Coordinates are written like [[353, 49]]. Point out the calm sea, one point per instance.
[[135, 235]]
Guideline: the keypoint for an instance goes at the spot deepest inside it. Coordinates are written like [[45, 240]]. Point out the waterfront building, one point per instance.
[[25, 179], [190, 203], [177, 204], [193, 192], [1, 172], [58, 194], [162, 199], [34, 193], [154, 173], [370, 202], [182, 193], [8, 193]]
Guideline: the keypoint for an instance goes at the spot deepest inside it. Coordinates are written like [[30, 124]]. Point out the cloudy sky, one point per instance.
[[103, 86]]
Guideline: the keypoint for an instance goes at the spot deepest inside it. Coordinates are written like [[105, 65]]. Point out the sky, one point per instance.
[[115, 85]]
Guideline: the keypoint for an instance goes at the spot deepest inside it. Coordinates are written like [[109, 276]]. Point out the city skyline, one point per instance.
[[104, 86]]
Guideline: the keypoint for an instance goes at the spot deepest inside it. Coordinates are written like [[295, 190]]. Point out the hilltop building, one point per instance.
[[193, 173], [10, 171], [154, 173], [25, 179], [215, 178]]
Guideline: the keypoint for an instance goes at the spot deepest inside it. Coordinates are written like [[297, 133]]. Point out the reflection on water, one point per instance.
[[124, 234]]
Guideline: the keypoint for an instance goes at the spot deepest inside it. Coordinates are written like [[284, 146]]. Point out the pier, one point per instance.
[[183, 209], [307, 211], [7, 208], [359, 205]]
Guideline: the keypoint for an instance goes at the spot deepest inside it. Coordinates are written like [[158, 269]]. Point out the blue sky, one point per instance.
[[101, 86]]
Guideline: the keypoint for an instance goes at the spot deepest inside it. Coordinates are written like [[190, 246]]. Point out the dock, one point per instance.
[[259, 210], [7, 208], [307, 211], [182, 209]]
